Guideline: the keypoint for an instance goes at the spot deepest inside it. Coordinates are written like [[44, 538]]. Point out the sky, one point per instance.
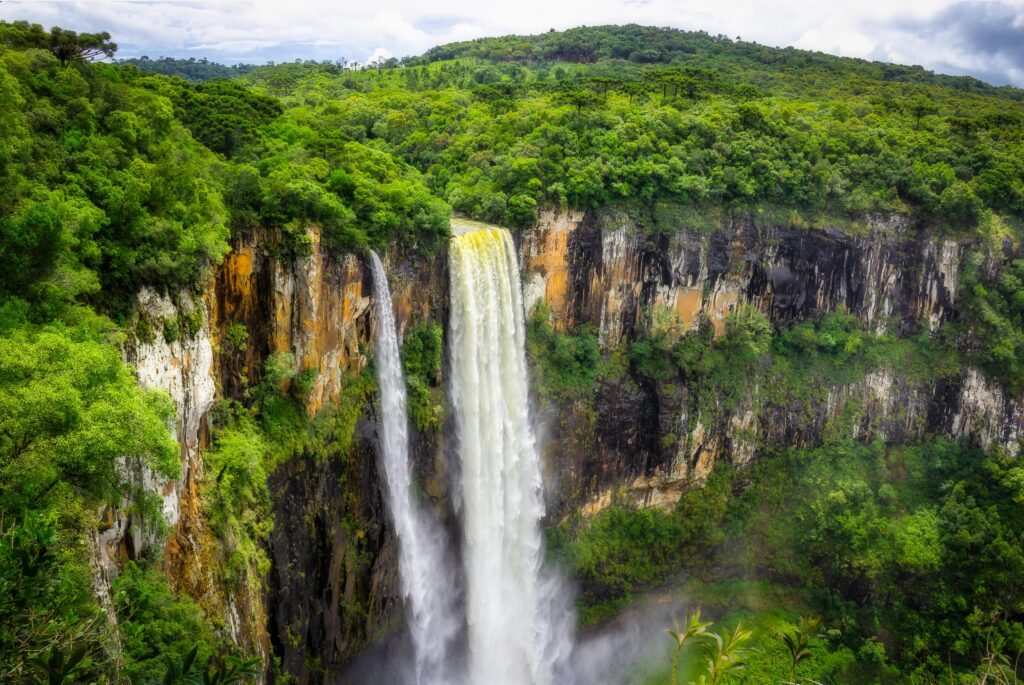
[[983, 39]]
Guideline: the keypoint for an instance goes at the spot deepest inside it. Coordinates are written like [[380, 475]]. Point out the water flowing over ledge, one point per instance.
[[423, 560], [519, 623]]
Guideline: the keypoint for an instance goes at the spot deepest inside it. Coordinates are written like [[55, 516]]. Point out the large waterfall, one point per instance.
[[519, 625], [422, 559]]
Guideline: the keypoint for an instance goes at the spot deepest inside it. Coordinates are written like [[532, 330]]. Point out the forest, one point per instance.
[[905, 562]]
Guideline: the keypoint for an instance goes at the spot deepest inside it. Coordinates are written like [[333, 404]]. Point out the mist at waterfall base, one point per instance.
[[511, 622]]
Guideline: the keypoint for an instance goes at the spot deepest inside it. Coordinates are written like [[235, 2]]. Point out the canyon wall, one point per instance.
[[332, 584], [639, 442]]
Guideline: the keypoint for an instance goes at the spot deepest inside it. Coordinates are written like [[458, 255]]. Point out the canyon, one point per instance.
[[333, 585]]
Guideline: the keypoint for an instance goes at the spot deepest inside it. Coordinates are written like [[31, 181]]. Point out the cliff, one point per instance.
[[331, 585], [639, 442], [332, 582]]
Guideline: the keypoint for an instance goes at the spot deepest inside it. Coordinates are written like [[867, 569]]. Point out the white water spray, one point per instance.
[[422, 558], [519, 624]]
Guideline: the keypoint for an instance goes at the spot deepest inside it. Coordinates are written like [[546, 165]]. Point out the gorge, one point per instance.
[[496, 363], [891, 277]]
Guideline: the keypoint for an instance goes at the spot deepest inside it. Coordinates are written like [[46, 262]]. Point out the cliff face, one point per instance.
[[333, 579], [604, 271], [639, 442], [332, 584]]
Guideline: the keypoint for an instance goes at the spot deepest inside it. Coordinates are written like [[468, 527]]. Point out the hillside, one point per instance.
[[793, 69], [767, 327]]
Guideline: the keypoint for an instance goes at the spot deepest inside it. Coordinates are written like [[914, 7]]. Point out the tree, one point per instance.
[[70, 411], [69, 46], [577, 97], [605, 84], [727, 654], [919, 107], [695, 629], [798, 642], [634, 89], [60, 670]]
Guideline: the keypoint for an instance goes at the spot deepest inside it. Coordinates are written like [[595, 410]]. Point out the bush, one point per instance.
[[568, 364], [421, 364], [158, 627]]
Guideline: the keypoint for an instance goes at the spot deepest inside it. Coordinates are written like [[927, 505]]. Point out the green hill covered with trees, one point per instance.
[[114, 178]]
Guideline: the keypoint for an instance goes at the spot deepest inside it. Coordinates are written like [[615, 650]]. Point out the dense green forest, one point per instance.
[[118, 176], [190, 69], [912, 554]]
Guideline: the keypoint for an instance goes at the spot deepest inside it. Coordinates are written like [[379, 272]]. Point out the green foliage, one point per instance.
[[225, 116], [172, 330], [567, 364], [230, 671], [190, 69], [919, 546], [798, 641], [621, 551], [253, 437], [769, 612], [158, 627], [911, 554], [421, 364], [727, 655], [237, 500], [66, 46], [595, 115], [994, 317], [794, 365], [649, 45], [237, 337], [46, 601], [57, 669], [70, 411], [695, 630], [359, 196], [74, 431], [101, 186]]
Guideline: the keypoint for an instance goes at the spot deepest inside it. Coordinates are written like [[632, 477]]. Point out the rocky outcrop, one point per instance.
[[333, 584], [605, 271], [333, 580], [641, 443]]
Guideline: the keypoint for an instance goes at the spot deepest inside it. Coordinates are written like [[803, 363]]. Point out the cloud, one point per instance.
[[378, 55], [983, 39]]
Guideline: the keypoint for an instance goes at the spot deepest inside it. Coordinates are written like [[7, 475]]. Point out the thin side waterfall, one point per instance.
[[518, 618], [422, 558]]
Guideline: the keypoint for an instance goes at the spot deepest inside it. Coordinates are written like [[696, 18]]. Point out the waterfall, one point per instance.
[[422, 550], [519, 624]]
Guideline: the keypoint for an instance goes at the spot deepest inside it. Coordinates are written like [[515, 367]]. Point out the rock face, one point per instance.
[[639, 443], [604, 271], [333, 580], [330, 550], [332, 585]]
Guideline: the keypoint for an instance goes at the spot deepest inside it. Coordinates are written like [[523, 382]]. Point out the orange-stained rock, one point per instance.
[[545, 259], [321, 315]]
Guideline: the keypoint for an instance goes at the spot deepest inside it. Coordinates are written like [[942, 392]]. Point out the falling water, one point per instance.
[[422, 558], [518, 620]]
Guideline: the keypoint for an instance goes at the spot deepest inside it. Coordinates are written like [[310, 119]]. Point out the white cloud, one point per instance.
[[378, 55], [252, 30]]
